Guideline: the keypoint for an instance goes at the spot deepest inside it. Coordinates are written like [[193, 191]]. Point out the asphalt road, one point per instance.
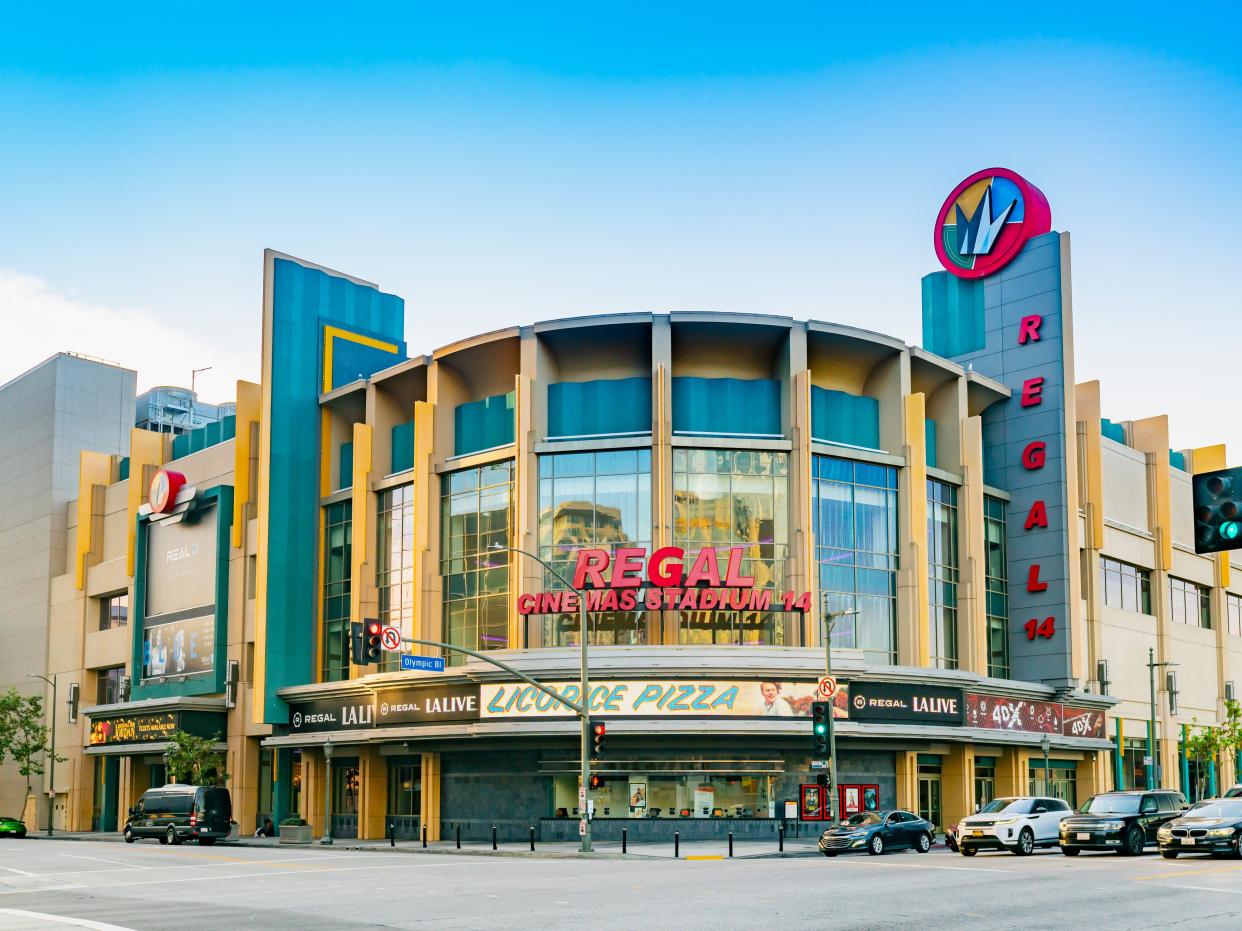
[[57, 884]]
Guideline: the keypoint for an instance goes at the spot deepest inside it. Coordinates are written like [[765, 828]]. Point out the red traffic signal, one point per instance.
[[598, 732], [597, 781], [372, 650]]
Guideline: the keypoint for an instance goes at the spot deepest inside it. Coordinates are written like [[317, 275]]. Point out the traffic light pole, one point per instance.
[[829, 618]]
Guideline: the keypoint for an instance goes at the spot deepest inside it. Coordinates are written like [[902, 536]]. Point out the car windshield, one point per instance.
[[1216, 809], [1018, 805], [1112, 805], [865, 817]]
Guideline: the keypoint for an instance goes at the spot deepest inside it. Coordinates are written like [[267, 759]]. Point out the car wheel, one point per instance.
[[1169, 854], [1070, 851], [1235, 851], [1026, 843], [876, 847], [129, 835], [1134, 844], [829, 853], [925, 843], [172, 837], [163, 839], [968, 851]]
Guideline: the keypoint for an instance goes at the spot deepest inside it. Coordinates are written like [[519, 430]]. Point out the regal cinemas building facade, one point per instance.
[[996, 554]]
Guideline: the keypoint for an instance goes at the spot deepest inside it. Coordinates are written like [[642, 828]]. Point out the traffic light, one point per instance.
[[357, 644], [1218, 517], [821, 728], [372, 651], [598, 732], [597, 781]]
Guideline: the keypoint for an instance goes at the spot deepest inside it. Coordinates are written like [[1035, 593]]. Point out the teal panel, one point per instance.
[[304, 300], [930, 759], [181, 446], [1114, 431], [484, 424], [1119, 769], [838, 417], [727, 406], [228, 428], [929, 441], [402, 447], [1177, 460], [122, 469], [345, 466], [953, 314], [604, 406], [112, 791], [211, 433], [352, 361]]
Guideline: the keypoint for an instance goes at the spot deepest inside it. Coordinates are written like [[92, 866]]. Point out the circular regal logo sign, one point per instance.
[[164, 488], [987, 220]]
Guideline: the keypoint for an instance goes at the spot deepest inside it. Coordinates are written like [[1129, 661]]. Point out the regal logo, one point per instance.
[[986, 221]]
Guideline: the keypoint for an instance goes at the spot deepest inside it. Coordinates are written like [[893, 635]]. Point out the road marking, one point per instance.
[[63, 919], [925, 866], [13, 869], [1176, 872], [704, 856], [124, 863], [1206, 888]]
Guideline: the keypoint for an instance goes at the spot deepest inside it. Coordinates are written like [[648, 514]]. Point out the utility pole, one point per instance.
[[1152, 665], [829, 619], [51, 762], [194, 373]]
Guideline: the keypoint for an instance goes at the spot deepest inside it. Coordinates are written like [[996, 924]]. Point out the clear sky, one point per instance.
[[506, 163]]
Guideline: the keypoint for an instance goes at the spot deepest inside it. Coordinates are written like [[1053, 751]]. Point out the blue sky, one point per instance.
[[507, 163]]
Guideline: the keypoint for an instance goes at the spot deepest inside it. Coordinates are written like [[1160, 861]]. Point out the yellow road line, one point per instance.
[[1177, 873], [705, 856]]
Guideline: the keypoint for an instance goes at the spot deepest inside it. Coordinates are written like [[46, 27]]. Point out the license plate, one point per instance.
[[1082, 836], [976, 833], [1188, 841]]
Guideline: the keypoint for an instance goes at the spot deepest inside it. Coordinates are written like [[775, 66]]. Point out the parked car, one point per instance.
[[1122, 821], [12, 827], [1234, 791], [876, 832], [1018, 824], [1212, 826], [174, 813]]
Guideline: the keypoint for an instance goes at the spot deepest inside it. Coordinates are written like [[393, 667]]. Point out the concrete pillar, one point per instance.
[[907, 764], [372, 794], [313, 775], [972, 621], [913, 636], [429, 796], [1013, 772], [957, 783]]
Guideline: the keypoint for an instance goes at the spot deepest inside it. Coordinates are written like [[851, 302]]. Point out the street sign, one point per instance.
[[390, 639], [1146, 761], [422, 663], [581, 796], [827, 687], [820, 764], [582, 829]]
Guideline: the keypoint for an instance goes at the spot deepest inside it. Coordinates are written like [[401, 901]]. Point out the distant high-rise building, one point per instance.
[[168, 409]]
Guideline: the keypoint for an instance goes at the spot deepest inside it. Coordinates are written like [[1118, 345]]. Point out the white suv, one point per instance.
[[1016, 824]]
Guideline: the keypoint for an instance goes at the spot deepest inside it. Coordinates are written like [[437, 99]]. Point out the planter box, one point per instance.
[[295, 834]]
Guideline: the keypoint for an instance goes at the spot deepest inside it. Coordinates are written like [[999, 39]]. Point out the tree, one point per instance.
[[1203, 746], [23, 736], [194, 760]]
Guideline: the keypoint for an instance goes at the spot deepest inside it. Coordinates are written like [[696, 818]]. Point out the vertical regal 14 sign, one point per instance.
[[1001, 308]]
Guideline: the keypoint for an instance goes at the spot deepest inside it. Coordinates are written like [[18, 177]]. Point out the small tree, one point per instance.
[[194, 760], [1231, 730], [24, 735], [1202, 746]]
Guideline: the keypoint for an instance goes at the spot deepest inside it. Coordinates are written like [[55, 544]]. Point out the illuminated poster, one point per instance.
[[179, 626]]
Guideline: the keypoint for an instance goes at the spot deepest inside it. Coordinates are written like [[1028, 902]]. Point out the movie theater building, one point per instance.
[[997, 557]]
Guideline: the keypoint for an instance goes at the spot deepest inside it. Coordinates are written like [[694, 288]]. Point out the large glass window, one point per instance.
[[477, 517], [942, 571], [998, 587], [394, 563], [114, 610], [108, 685], [1190, 603], [1125, 586], [598, 499], [1233, 606], [404, 788], [337, 558], [855, 526], [654, 794], [726, 498]]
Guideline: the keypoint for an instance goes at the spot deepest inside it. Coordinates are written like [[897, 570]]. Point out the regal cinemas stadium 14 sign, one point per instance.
[[625, 579]]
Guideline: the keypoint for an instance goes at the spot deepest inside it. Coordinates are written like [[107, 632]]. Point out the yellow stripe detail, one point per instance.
[[916, 460], [360, 552], [94, 469], [332, 333], [249, 406], [146, 448]]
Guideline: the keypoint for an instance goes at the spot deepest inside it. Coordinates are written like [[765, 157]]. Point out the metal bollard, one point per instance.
[[781, 831], [424, 837], [623, 840], [730, 843], [532, 839], [392, 833], [493, 837], [459, 837], [676, 844]]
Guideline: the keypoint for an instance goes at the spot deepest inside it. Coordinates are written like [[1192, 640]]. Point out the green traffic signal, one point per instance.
[[1229, 530], [821, 728]]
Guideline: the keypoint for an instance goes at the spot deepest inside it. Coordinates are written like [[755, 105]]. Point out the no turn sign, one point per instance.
[[827, 687], [390, 639]]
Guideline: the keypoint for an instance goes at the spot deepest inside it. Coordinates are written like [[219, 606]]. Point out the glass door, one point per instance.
[[929, 796]]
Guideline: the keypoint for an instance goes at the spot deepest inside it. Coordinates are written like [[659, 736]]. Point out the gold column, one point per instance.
[[429, 794], [972, 621], [913, 636]]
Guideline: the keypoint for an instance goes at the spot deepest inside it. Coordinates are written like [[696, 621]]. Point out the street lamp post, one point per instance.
[[1151, 725], [51, 765], [326, 840], [584, 693], [829, 619], [1045, 744]]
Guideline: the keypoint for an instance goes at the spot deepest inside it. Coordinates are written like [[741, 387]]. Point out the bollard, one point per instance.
[[392, 833], [532, 838], [676, 844], [424, 837], [493, 837], [459, 837], [730, 843], [623, 840], [782, 838]]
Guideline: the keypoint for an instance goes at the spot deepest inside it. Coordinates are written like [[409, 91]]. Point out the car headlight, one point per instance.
[[1006, 821], [1220, 832], [1165, 831], [1110, 825]]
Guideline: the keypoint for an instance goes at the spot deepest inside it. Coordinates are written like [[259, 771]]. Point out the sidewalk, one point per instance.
[[561, 850]]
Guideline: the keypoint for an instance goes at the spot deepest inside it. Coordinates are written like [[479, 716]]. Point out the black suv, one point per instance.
[[174, 813], [1122, 821]]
